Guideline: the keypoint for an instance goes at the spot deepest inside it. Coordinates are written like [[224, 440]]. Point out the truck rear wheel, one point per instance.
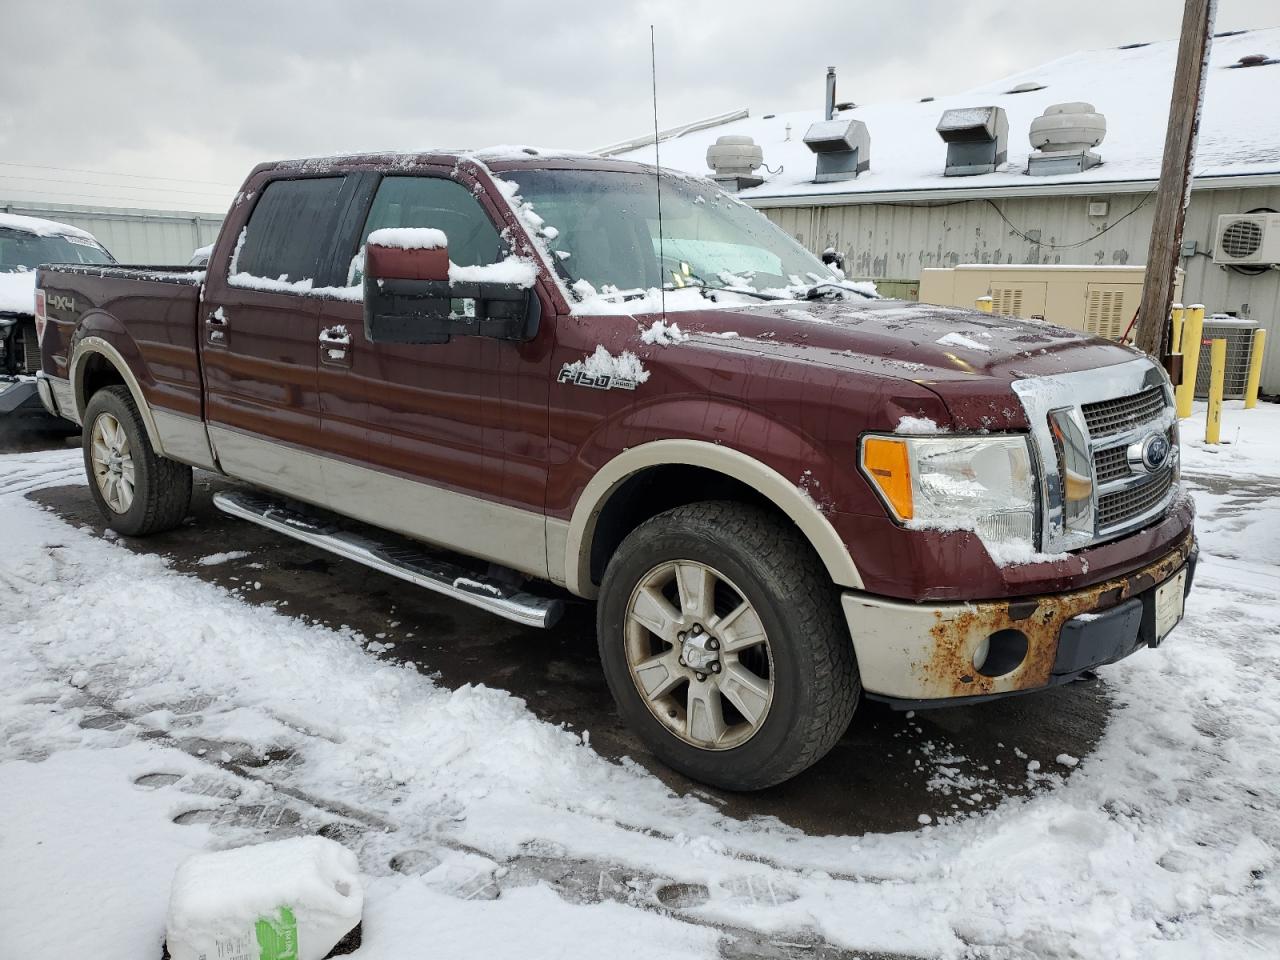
[[138, 491], [723, 646]]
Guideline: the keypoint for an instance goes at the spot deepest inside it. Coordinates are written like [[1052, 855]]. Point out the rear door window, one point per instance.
[[289, 236]]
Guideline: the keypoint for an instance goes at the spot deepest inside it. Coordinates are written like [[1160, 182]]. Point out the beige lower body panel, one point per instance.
[[469, 525], [184, 439], [65, 397]]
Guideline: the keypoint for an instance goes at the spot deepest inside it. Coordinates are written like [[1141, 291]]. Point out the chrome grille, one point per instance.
[[1107, 417], [1117, 508], [1083, 425], [1111, 464]]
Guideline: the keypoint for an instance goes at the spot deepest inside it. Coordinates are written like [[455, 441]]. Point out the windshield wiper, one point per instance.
[[830, 290]]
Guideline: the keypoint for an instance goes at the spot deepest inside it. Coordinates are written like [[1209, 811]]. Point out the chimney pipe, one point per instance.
[[831, 92]]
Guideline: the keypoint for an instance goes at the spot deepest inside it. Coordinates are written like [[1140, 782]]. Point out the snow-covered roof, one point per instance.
[[43, 228], [1131, 86]]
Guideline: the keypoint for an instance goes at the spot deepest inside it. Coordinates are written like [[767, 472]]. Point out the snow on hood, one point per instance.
[[18, 292]]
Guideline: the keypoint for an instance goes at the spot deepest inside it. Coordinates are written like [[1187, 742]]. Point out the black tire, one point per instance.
[[813, 668], [162, 488]]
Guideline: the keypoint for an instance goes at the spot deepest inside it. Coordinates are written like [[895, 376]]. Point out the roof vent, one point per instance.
[[1134, 46], [926, 99], [1254, 60], [977, 140], [1027, 86], [1061, 138], [733, 161], [843, 148]]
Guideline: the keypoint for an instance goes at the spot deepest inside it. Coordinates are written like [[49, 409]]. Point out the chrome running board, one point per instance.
[[393, 555]]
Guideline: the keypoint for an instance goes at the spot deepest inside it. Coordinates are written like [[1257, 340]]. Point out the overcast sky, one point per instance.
[[202, 91]]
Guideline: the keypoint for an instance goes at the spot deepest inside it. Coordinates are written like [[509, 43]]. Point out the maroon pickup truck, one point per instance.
[[483, 372]]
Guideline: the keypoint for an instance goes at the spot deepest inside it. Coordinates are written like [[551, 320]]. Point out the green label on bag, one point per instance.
[[278, 936]]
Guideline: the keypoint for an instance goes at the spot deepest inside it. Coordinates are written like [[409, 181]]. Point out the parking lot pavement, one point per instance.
[[887, 771]]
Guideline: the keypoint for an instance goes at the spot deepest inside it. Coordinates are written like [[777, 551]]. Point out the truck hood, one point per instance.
[[968, 358]]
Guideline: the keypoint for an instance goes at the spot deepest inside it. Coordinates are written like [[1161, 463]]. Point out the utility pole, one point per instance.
[[1174, 191]]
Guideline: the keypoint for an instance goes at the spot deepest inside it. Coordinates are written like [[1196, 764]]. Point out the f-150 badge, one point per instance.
[[573, 373]]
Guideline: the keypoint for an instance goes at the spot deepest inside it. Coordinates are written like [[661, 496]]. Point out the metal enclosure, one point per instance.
[[1097, 300], [977, 140], [843, 149], [1238, 333]]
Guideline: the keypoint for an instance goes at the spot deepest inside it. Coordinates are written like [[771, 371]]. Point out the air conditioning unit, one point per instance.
[[1238, 333], [1247, 238]]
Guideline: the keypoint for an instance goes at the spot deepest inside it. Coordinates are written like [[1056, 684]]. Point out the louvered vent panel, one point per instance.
[[1007, 301]]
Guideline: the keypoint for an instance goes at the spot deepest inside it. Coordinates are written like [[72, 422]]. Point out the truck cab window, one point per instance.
[[434, 202], [290, 230]]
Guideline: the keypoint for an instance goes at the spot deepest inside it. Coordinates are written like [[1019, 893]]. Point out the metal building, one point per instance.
[[905, 213], [132, 236]]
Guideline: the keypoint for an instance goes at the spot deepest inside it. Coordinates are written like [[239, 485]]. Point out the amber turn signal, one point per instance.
[[886, 463]]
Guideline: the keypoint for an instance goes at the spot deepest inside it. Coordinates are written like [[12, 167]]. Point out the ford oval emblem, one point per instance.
[[1155, 451]]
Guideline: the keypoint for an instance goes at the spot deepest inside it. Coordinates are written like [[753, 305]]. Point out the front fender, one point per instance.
[[798, 504]]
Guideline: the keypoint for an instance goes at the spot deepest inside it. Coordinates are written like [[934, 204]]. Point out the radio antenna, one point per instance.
[[657, 174]]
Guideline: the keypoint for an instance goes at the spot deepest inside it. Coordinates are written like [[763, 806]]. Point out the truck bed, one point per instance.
[[149, 313]]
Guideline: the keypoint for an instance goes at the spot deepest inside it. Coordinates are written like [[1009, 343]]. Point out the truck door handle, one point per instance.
[[217, 323], [334, 344]]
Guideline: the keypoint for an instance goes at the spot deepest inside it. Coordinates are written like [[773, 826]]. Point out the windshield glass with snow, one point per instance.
[[21, 251], [604, 232]]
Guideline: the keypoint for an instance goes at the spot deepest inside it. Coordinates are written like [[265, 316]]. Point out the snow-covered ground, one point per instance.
[[147, 714]]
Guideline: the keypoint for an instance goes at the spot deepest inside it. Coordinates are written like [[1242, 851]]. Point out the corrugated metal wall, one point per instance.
[[898, 240], [132, 236]]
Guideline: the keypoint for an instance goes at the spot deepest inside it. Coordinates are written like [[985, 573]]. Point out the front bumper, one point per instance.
[[915, 655]]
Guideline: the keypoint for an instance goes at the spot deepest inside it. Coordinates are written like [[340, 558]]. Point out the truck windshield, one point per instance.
[[604, 231], [21, 251]]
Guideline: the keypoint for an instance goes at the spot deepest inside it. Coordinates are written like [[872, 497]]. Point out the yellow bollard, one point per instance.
[[1191, 337], [1255, 369], [1176, 345], [985, 304], [1217, 374]]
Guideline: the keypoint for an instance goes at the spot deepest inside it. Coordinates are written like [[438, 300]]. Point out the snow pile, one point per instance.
[[309, 886], [215, 559], [18, 292], [663, 334], [514, 270], [409, 238], [955, 339], [918, 426], [602, 363]]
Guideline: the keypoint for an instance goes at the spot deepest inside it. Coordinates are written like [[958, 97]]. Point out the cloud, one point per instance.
[[203, 91]]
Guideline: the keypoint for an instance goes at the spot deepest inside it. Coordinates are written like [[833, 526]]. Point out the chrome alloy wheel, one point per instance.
[[698, 655], [112, 462]]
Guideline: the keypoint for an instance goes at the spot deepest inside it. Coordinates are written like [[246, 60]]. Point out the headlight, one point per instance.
[[981, 483]]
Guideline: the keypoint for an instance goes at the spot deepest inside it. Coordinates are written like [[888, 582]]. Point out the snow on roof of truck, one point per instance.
[[43, 228], [1130, 85]]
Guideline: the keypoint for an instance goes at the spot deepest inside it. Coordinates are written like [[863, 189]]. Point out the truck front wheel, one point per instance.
[[138, 491], [723, 646]]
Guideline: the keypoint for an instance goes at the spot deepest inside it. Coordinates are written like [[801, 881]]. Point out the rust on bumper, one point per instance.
[[926, 651]]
